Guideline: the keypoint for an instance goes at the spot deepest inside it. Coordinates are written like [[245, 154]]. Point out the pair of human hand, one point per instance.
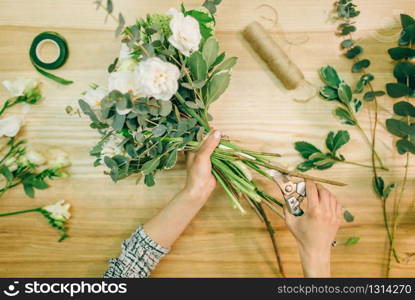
[[315, 231]]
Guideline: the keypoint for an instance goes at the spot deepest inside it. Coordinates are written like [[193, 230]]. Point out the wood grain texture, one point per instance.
[[255, 111]]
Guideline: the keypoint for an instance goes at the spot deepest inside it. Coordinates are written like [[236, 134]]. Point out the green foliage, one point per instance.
[[314, 158], [352, 241], [347, 215]]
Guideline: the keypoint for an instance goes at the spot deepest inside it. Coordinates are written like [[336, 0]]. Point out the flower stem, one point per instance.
[[359, 164], [21, 212]]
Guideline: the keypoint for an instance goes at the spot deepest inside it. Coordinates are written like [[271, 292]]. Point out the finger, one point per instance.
[[190, 157], [324, 196], [333, 205], [209, 145], [339, 209], [312, 194]]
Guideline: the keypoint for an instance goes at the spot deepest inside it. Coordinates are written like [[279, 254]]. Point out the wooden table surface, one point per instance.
[[256, 111]]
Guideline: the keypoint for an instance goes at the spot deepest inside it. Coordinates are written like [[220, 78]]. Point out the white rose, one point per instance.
[[59, 210], [58, 159], [185, 32], [10, 126], [94, 96], [157, 78], [35, 157], [122, 81], [20, 86]]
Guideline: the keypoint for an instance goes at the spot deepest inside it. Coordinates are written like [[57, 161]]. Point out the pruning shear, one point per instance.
[[293, 192]]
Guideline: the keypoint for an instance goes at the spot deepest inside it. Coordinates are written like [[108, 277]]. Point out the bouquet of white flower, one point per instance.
[[168, 73]]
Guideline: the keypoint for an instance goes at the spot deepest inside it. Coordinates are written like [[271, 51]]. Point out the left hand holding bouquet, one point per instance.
[[170, 222]]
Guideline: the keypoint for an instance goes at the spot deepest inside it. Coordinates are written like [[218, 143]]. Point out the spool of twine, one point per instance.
[[275, 57]]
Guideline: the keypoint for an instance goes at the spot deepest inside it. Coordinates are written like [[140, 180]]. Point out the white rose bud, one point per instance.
[[35, 158], [58, 159], [185, 32], [157, 78], [20, 87], [59, 210]]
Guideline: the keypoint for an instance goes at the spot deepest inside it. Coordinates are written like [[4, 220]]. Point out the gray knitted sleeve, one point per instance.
[[139, 256]]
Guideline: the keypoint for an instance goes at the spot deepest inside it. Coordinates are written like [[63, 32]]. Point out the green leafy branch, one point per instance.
[[337, 90], [317, 159], [402, 126]]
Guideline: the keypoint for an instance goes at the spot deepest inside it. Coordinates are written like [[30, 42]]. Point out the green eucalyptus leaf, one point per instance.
[[399, 53], [406, 20], [407, 35], [330, 77], [369, 96], [404, 146], [378, 186], [150, 166], [353, 52], [217, 85], [227, 65], [360, 65], [159, 130], [171, 159], [118, 122], [399, 128], [149, 180], [347, 43], [210, 50], [397, 90], [347, 215], [403, 108], [357, 105], [388, 190], [86, 109], [165, 108], [197, 66], [306, 149]]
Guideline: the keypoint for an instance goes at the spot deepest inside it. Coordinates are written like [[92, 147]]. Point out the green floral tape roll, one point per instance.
[[61, 45]]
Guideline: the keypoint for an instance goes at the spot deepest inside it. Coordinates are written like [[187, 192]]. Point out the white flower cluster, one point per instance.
[[10, 125], [151, 77]]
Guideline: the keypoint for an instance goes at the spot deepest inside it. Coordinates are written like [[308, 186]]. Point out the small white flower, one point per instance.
[[11, 163], [35, 157], [157, 78], [58, 159], [20, 87], [122, 81], [112, 146], [10, 125], [94, 96], [185, 32], [59, 210]]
